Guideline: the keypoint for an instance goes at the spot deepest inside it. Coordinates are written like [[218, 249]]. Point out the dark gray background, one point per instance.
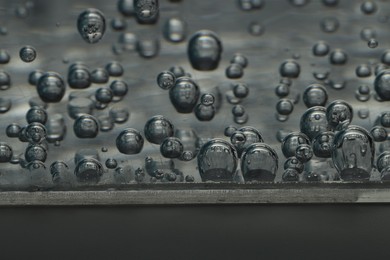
[[197, 232]]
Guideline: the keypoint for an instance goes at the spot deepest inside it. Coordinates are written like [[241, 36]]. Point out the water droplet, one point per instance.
[[284, 107], [321, 49], [111, 163], [338, 57]]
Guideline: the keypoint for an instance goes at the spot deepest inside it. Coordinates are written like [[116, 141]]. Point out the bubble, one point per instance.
[[51, 87], [34, 77], [240, 59], [207, 99], [368, 7], [175, 30], [294, 163], [35, 133], [4, 56], [337, 85], [91, 25], [372, 43], [177, 71], [290, 69], [146, 11], [252, 135], [157, 129], [238, 110], [59, 171], [114, 69], [338, 57], [184, 95], [13, 130], [383, 161], [217, 161], [304, 153], [5, 105], [314, 121], [204, 50], [367, 33], [329, 24], [291, 142], [118, 24], [86, 153], [100, 76], [148, 48], [385, 58], [5, 80], [256, 29], [241, 90], [385, 119], [127, 42], [339, 114], [36, 114], [259, 162], [315, 95], [385, 174], [241, 119], [204, 113], [35, 152], [86, 126], [282, 90], [284, 107], [120, 114], [382, 85], [353, 155], [27, 54], [320, 49], [290, 174], [5, 152], [234, 71], [126, 7], [189, 178], [363, 113], [363, 70], [111, 163], [88, 170], [330, 3], [104, 95], [187, 156], [106, 123], [379, 133], [119, 89], [166, 80], [79, 76], [363, 93], [229, 130], [171, 147], [323, 144]]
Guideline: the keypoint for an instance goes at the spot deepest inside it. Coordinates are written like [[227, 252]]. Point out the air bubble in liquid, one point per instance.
[[157, 129], [321, 49], [291, 142], [241, 90], [79, 76], [282, 90], [363, 70], [13, 130], [34, 76], [353, 154], [111, 163], [171, 147], [329, 24], [88, 170], [314, 121], [91, 25], [385, 119], [114, 69], [120, 114], [363, 93], [315, 95], [184, 95], [106, 123], [294, 163], [290, 69], [338, 57], [259, 162], [146, 11], [119, 89], [35, 133], [166, 80], [35, 152], [148, 48], [55, 128], [100, 76], [204, 50], [118, 24], [379, 133], [323, 144], [284, 107], [86, 126], [51, 87], [382, 85], [5, 105], [78, 106], [175, 30], [256, 29], [5, 80], [239, 58], [368, 7], [4, 56], [104, 95], [36, 114], [304, 153], [339, 114], [252, 135], [217, 161], [229, 130], [126, 7], [204, 113], [290, 174], [27, 54], [5, 152], [130, 141], [372, 43]]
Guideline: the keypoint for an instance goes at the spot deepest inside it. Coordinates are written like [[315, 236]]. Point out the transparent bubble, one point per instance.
[[171, 147], [321, 49], [204, 50], [240, 120], [284, 107], [385, 58], [290, 174], [146, 11], [314, 121], [252, 135], [382, 85], [51, 87], [241, 90], [256, 29], [111, 163], [100, 76], [368, 7], [36, 114], [339, 114], [207, 99], [249, 5], [240, 59], [86, 126], [91, 25], [106, 123], [329, 24], [127, 41], [363, 93], [175, 30], [315, 95], [4, 56], [35, 133], [204, 113], [385, 119], [79, 76], [6, 152], [363, 70], [130, 141], [385, 174], [372, 43], [35, 152], [34, 77], [383, 161], [353, 154], [119, 89], [338, 57], [104, 95], [5, 80], [177, 71], [367, 33], [118, 24], [114, 69], [120, 114], [363, 113], [27, 54], [304, 153], [184, 95], [126, 7], [13, 130], [157, 129], [238, 138], [187, 156], [55, 128], [88, 170], [148, 48], [282, 90], [259, 162], [378, 133], [290, 69], [294, 163], [59, 171], [323, 144], [217, 161], [5, 105], [291, 142], [166, 80], [229, 130], [234, 71]]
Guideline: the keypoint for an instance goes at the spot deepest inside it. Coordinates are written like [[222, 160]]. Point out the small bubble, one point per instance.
[[129, 141], [91, 25], [5, 80], [234, 71], [166, 80], [5, 105], [382, 84], [241, 90], [363, 113], [146, 11], [27, 54], [229, 131], [207, 99], [86, 126], [290, 69], [184, 95], [368, 7], [314, 121], [118, 24], [189, 178], [51, 87], [256, 29], [363, 70], [114, 69], [294, 163], [4, 56], [175, 30], [282, 90], [104, 95], [338, 57], [284, 107], [363, 93], [329, 24], [120, 114], [111, 163], [35, 152], [6, 152], [157, 129], [88, 170], [171, 147], [372, 43], [339, 114], [315, 95], [291, 142], [99, 76], [379, 133]]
